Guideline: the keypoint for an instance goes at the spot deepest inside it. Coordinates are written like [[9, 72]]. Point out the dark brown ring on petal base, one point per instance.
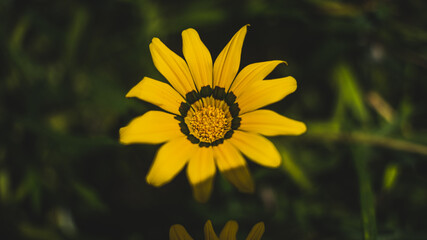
[[217, 93]]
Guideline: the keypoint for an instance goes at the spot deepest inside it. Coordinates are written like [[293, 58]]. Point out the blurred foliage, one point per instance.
[[359, 171]]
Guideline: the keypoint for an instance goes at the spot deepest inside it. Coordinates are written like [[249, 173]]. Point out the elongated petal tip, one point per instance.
[[248, 188], [253, 74], [122, 140], [202, 191], [178, 232], [270, 123], [164, 167], [155, 39], [276, 164], [171, 66], [153, 127], [227, 63], [278, 62], [198, 58], [263, 93], [233, 166], [189, 30], [150, 180], [292, 82], [200, 172], [240, 178], [302, 128], [257, 148], [134, 92], [209, 231], [229, 231], [256, 232]]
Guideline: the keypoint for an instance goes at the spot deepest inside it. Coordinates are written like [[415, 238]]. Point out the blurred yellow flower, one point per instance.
[[212, 115], [178, 232]]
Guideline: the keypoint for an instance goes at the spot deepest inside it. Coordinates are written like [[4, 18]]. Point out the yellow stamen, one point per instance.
[[209, 124]]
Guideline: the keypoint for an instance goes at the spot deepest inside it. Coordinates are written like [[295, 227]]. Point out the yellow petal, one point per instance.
[[233, 166], [209, 231], [202, 191], [229, 231], [157, 93], [200, 172], [172, 67], [170, 160], [256, 232], [257, 148], [269, 123], [253, 73], [178, 232], [228, 61], [198, 58], [152, 127], [265, 92]]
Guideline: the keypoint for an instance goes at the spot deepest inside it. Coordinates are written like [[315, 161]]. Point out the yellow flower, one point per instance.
[[178, 232], [212, 115]]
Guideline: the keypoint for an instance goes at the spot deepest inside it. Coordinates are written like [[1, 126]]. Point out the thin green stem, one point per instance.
[[366, 195], [371, 139]]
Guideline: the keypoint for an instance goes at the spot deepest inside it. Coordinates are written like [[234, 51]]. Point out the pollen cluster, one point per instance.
[[209, 124], [209, 116]]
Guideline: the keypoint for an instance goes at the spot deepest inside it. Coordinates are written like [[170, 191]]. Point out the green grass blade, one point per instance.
[[361, 155]]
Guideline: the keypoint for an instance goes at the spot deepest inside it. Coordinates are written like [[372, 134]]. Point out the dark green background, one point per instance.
[[359, 171]]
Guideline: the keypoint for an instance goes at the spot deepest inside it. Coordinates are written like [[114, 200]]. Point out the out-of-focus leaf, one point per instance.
[[75, 32], [323, 127], [18, 34], [30, 187], [58, 122], [338, 8], [296, 173], [89, 196], [202, 13], [152, 18], [406, 110], [65, 221], [382, 107], [4, 185], [361, 155], [349, 92], [390, 176], [29, 231]]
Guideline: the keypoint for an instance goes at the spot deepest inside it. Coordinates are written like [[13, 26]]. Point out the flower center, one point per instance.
[[209, 124], [209, 117]]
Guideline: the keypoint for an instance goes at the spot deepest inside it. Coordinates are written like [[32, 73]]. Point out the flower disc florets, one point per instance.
[[209, 124], [209, 116]]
